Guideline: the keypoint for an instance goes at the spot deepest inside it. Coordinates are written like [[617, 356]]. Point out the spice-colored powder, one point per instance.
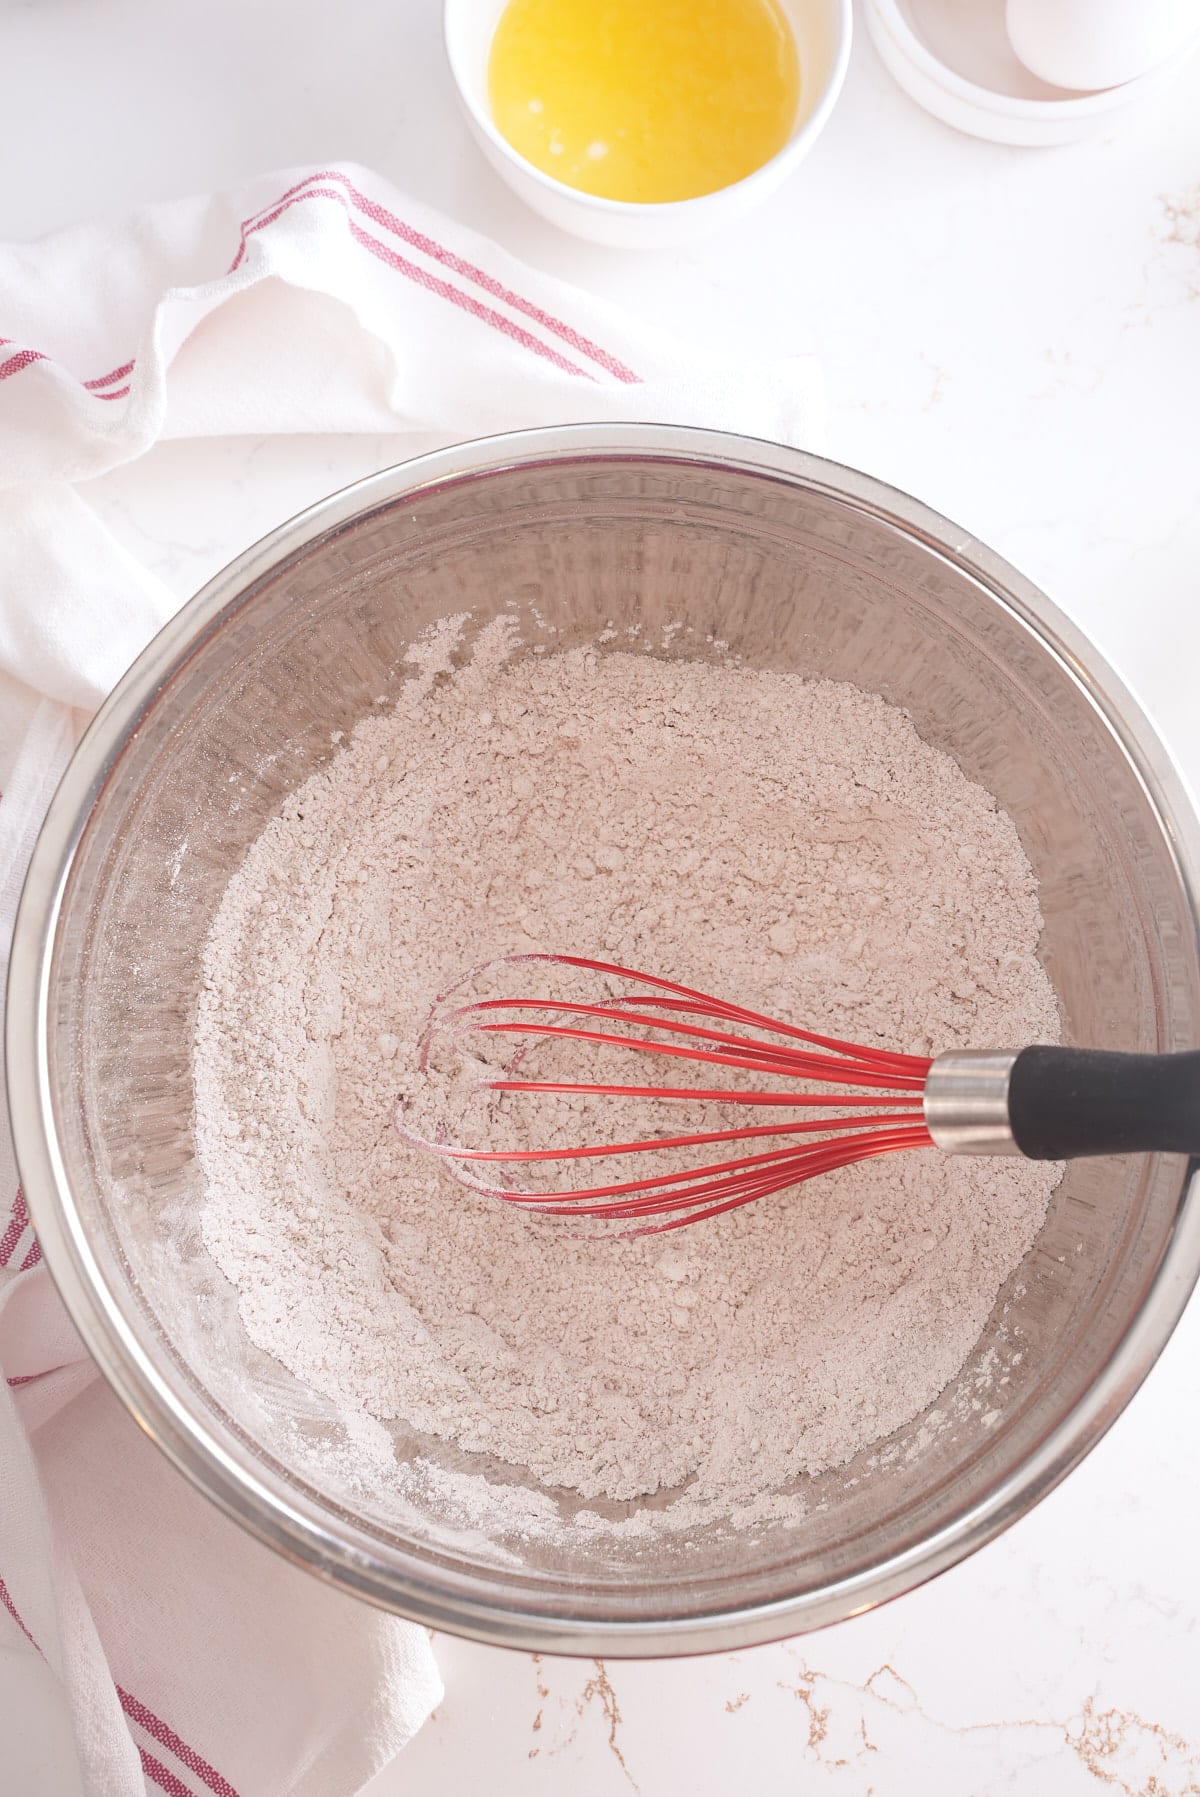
[[790, 844]]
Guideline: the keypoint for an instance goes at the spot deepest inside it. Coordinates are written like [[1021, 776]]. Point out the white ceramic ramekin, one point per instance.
[[822, 30], [920, 40]]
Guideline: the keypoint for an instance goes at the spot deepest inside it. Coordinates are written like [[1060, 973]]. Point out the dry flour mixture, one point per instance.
[[791, 844]]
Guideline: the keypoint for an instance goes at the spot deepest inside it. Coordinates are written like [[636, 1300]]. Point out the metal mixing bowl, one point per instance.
[[797, 564]]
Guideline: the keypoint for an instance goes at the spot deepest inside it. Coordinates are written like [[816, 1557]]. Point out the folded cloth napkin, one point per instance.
[[149, 1645]]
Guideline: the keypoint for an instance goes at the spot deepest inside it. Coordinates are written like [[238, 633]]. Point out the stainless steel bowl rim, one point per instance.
[[224, 1469]]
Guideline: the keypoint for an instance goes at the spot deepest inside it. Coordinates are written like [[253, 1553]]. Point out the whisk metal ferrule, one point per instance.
[[966, 1101]]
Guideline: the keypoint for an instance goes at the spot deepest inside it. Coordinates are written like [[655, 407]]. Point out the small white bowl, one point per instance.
[[821, 29], [954, 59]]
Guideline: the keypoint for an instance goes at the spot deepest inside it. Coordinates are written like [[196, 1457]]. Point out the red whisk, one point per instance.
[[1045, 1103]]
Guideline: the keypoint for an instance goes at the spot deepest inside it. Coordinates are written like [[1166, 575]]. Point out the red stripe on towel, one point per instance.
[[174, 1787], [9, 1605], [166, 1737], [419, 276], [28, 1378], [16, 1228], [154, 1727], [24, 358], [102, 380], [438, 252]]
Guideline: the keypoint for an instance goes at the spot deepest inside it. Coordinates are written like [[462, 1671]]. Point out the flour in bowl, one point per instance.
[[791, 844]]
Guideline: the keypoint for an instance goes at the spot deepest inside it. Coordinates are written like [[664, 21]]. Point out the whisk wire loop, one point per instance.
[[881, 1114]]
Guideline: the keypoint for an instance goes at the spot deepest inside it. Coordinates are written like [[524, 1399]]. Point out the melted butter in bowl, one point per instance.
[[646, 123], [645, 103]]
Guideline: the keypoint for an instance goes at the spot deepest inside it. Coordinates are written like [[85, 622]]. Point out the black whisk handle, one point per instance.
[[1066, 1103]]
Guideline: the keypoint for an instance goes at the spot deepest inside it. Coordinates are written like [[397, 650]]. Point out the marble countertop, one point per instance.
[[1014, 336]]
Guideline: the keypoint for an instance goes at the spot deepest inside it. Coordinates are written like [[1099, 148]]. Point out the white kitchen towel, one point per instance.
[[148, 1644]]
